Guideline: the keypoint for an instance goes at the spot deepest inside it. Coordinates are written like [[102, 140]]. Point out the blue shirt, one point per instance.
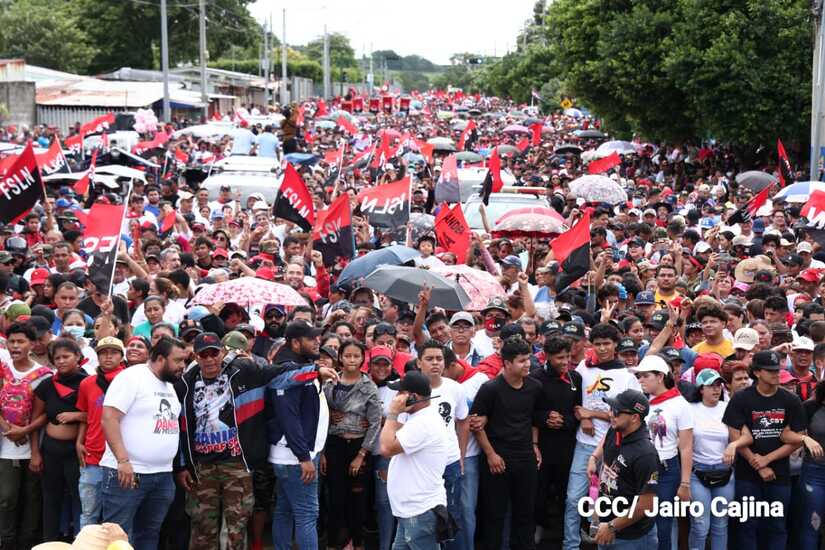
[[242, 141], [268, 145]]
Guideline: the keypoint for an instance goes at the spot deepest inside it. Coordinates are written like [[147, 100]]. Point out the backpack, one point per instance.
[[17, 396]]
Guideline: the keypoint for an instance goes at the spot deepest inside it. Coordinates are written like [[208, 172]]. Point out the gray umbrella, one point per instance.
[[469, 156], [756, 180], [590, 134], [405, 283], [422, 224]]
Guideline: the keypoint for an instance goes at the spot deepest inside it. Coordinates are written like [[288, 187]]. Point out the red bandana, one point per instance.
[[669, 394]]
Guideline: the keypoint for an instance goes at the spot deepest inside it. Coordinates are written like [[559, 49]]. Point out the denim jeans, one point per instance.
[[469, 500], [770, 531], [648, 541], [139, 511], [577, 487], [453, 482], [670, 475], [708, 523], [383, 511], [813, 504], [91, 495], [296, 505], [416, 533]]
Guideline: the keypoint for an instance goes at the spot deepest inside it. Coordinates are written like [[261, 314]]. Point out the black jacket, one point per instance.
[[562, 396]]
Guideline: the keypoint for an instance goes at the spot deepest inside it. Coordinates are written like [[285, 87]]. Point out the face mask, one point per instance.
[[76, 332], [494, 324]]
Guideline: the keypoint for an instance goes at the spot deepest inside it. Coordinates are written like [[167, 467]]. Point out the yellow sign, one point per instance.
[[566, 103]]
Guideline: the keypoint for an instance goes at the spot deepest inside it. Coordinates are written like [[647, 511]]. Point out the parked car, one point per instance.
[[500, 204]]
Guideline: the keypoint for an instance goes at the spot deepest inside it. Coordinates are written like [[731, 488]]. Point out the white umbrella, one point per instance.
[[212, 129], [621, 147], [593, 188], [799, 192]]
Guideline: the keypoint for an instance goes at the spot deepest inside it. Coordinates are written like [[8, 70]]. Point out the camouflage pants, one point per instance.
[[223, 490]]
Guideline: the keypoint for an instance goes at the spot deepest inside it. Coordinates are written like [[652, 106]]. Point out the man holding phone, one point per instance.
[[418, 450]]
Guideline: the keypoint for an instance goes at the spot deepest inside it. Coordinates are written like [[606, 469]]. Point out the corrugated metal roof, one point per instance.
[[94, 92]]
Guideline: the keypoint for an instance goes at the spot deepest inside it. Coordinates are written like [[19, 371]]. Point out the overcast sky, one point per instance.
[[434, 29]]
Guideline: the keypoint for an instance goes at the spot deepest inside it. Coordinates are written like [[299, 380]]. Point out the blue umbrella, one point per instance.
[[799, 192], [392, 255], [302, 158]]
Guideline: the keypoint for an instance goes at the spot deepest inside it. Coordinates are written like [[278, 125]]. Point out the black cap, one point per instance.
[[627, 344], [205, 341], [549, 327], [511, 329], [573, 330], [670, 353], [413, 382], [300, 329], [44, 311], [693, 325], [187, 326], [658, 320], [630, 401], [41, 325], [767, 360]]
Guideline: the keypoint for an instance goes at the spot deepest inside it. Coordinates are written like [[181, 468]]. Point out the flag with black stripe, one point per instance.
[[571, 250]]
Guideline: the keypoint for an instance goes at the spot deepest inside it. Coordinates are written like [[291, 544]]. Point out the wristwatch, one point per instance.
[[611, 527]]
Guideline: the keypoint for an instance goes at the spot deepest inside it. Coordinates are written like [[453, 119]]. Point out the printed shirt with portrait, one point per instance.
[[664, 422], [216, 435], [598, 383]]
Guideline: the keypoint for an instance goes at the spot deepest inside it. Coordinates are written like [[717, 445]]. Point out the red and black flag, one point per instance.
[[467, 136], [447, 186], [20, 187], [748, 211], [98, 125], [452, 231], [493, 182], [603, 165], [100, 241], [387, 206], [294, 203], [572, 250], [785, 171], [53, 160], [81, 186], [536, 129], [344, 123], [332, 234], [814, 212]]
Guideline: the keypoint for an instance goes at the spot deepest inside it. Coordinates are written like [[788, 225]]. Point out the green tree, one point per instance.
[[45, 32], [459, 76], [341, 53], [413, 80]]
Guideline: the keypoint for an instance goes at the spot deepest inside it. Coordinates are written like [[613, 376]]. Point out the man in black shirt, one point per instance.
[[762, 469], [510, 445], [556, 419], [630, 466]]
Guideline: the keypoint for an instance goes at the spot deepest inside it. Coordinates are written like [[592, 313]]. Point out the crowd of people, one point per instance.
[[685, 365]]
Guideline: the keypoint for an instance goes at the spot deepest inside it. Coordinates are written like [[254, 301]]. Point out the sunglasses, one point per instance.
[[209, 354]]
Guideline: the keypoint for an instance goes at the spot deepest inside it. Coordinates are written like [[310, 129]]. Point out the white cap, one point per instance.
[[741, 240], [650, 211], [651, 363], [804, 246], [746, 338], [634, 211], [701, 247], [803, 343], [260, 205]]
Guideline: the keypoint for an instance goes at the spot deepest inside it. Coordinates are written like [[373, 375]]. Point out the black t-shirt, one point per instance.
[[61, 398], [815, 421], [509, 413], [630, 467], [765, 417], [119, 306]]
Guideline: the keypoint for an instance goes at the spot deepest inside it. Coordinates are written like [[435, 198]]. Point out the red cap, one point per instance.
[[785, 377], [707, 361], [381, 352], [148, 225], [810, 275], [220, 253], [39, 276], [265, 273]]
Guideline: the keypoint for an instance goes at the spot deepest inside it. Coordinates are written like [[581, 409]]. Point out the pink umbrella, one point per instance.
[[516, 129], [479, 285], [540, 210], [249, 291], [533, 226]]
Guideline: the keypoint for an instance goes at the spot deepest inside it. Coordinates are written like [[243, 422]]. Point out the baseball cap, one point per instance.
[[626, 344], [707, 377], [496, 303], [6, 257], [766, 360], [16, 310], [786, 377], [658, 320], [629, 401], [573, 330], [671, 354], [39, 276], [693, 325], [462, 316], [512, 261], [197, 313], [220, 252], [110, 342], [246, 328], [645, 298], [651, 363], [804, 247], [41, 324], [803, 343], [205, 341], [746, 338], [511, 329], [549, 327], [413, 382], [188, 326], [381, 352], [235, 340], [300, 329], [707, 360], [810, 275]]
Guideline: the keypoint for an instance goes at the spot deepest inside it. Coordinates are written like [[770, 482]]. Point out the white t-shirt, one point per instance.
[[599, 383], [710, 434], [282, 454], [8, 448], [483, 344], [451, 403], [385, 394], [415, 481], [665, 420], [149, 427], [174, 314], [471, 386]]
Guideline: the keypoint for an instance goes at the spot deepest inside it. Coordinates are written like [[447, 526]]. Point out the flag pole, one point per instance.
[[120, 234]]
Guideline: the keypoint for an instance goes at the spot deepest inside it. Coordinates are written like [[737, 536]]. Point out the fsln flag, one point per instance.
[[748, 211], [572, 251], [603, 165], [98, 125], [785, 171], [53, 160], [462, 142], [81, 186], [447, 186], [20, 187], [452, 231], [814, 212], [294, 202], [387, 206], [332, 234], [492, 182], [344, 123]]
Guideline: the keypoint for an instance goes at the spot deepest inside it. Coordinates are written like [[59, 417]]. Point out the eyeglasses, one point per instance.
[[209, 354], [382, 330]]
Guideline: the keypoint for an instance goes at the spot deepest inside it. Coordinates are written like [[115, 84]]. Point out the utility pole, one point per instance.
[[327, 79], [284, 91], [164, 61], [204, 93], [818, 91], [266, 61], [371, 74]]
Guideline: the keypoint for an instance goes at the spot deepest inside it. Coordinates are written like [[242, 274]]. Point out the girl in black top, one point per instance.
[[57, 397]]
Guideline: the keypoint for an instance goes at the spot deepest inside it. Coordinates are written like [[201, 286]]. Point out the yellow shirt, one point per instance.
[[665, 298], [724, 349]]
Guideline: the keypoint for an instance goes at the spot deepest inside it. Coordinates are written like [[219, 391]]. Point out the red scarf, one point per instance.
[[669, 394]]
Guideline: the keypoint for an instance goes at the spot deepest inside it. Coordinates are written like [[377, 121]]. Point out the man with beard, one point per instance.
[[140, 423], [274, 325]]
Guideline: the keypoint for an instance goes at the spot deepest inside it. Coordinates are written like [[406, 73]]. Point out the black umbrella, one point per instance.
[[756, 180], [568, 148], [590, 134]]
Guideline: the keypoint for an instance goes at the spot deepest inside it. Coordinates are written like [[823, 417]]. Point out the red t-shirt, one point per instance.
[[90, 401]]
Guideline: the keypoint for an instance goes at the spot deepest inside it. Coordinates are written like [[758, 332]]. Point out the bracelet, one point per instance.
[[122, 460], [685, 483], [392, 416]]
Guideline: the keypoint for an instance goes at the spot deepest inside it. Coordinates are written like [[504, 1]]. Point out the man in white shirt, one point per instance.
[[140, 423], [418, 450]]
